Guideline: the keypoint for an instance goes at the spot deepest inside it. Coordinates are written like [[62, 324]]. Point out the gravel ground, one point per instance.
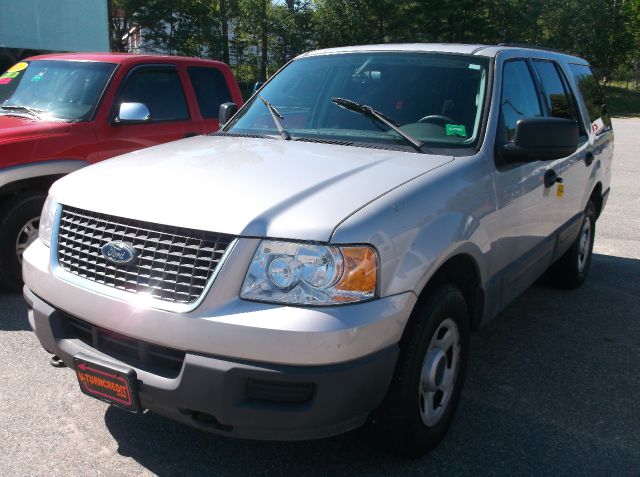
[[552, 389]]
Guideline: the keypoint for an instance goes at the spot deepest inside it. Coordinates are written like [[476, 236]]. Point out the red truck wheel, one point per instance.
[[19, 217]]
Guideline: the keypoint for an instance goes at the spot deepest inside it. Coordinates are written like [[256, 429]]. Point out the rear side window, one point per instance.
[[210, 88], [558, 99], [519, 96], [593, 97], [160, 90]]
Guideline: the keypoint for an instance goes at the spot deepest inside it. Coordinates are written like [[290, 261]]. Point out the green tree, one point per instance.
[[595, 29], [258, 36]]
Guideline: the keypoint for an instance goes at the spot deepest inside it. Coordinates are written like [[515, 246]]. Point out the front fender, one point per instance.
[[419, 226], [32, 170], [433, 245]]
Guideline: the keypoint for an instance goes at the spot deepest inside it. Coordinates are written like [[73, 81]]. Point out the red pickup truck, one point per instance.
[[61, 112]]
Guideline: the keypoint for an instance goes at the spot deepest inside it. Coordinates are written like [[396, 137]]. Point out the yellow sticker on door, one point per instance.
[[560, 190]]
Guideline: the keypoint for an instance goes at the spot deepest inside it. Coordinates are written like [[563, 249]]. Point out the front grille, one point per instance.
[[155, 359], [173, 264]]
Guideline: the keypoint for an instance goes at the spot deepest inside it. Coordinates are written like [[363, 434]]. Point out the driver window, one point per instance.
[[519, 96]]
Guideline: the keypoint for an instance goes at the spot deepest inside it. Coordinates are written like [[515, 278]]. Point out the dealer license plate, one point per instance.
[[108, 382]]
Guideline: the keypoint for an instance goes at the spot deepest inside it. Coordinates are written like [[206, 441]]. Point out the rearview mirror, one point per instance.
[[226, 112], [541, 139], [133, 113]]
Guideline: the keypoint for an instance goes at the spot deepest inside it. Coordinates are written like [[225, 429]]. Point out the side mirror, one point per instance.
[[133, 113], [541, 139], [257, 86], [226, 112]]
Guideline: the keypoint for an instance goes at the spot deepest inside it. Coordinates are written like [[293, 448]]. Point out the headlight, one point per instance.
[[308, 274], [47, 217]]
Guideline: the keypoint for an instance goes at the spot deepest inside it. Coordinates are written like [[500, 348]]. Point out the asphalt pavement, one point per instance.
[[553, 388]]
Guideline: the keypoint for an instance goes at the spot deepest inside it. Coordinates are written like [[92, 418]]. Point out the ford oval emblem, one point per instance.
[[119, 252]]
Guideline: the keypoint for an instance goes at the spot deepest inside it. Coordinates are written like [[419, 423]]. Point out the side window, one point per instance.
[[519, 96], [160, 89], [558, 100], [593, 98], [211, 89]]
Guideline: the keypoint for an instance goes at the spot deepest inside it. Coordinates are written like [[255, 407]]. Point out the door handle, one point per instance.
[[190, 134], [550, 178], [588, 158]]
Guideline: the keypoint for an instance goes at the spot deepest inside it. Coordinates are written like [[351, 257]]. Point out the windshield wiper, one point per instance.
[[31, 111], [276, 118], [373, 114]]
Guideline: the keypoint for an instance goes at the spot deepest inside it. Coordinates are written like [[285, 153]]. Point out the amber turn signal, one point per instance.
[[360, 271]]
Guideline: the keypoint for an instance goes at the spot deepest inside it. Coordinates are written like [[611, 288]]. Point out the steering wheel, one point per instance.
[[437, 118]]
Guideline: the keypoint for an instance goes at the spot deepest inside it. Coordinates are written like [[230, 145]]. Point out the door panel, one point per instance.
[[559, 102], [526, 212], [519, 188], [597, 121]]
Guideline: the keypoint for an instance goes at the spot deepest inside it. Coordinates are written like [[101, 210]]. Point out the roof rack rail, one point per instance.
[[532, 47]]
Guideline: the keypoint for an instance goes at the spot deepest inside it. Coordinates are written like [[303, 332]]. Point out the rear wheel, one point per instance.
[[19, 221], [426, 387], [572, 269]]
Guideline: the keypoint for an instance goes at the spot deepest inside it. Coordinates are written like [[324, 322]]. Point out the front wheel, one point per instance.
[[426, 387], [19, 220]]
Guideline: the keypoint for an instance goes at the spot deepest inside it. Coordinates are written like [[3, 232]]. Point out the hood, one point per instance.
[[19, 128], [243, 186]]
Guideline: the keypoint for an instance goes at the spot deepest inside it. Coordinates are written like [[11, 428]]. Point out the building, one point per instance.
[[31, 27]]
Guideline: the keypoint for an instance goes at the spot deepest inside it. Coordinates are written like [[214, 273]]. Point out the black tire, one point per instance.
[[571, 270], [15, 213], [399, 421]]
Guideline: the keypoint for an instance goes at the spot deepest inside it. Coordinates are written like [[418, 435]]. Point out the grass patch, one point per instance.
[[622, 102]]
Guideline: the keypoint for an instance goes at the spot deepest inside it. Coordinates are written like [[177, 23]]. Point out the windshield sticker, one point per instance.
[[10, 74], [18, 67], [456, 130], [37, 77], [5, 80], [474, 67]]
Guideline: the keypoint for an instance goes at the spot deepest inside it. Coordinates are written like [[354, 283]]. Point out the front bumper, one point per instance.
[[244, 369], [242, 399]]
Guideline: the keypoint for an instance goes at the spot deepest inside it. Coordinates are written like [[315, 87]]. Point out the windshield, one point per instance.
[[67, 90], [435, 98]]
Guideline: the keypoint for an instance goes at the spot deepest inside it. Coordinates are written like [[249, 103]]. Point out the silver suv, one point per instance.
[[320, 261]]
